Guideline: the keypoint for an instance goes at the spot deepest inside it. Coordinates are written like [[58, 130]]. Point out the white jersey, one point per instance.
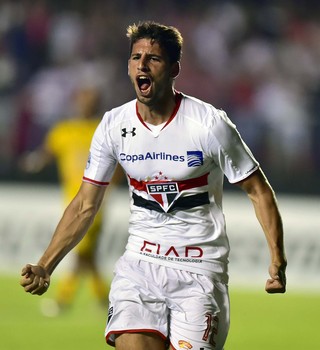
[[175, 177]]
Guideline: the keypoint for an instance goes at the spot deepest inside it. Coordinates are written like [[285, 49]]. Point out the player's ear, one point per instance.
[[175, 69]]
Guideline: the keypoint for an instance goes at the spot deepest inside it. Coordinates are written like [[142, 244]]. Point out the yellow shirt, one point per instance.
[[69, 141]]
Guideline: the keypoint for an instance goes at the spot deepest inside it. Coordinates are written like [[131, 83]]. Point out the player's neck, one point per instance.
[[157, 113]]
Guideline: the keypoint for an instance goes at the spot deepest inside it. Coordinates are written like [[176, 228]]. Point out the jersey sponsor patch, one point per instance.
[[132, 158], [194, 158]]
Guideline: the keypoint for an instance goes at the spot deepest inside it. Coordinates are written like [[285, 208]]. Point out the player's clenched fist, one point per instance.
[[277, 282], [35, 279]]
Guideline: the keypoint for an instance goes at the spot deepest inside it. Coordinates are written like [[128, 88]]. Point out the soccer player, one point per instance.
[[170, 286]]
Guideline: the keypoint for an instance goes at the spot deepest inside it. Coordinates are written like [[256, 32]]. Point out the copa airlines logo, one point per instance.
[[194, 158]]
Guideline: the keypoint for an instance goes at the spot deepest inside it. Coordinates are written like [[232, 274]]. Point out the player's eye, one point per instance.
[[135, 57]]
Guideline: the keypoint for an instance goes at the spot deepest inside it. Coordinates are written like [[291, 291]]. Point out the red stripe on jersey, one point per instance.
[[183, 185], [99, 183]]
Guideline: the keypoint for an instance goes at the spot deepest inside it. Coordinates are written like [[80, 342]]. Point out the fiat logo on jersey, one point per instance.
[[164, 193]]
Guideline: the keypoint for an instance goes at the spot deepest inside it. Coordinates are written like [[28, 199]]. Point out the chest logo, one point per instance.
[[125, 132], [164, 193]]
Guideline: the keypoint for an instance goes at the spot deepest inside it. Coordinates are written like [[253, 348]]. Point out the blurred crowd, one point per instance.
[[258, 60]]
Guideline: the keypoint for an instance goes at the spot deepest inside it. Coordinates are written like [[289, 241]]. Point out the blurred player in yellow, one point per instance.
[[68, 143]]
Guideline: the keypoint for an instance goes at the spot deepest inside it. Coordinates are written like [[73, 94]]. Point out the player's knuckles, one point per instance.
[[28, 289], [36, 280], [35, 291], [24, 283]]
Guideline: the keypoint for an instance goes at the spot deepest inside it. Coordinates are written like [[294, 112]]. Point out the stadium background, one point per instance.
[[258, 60]]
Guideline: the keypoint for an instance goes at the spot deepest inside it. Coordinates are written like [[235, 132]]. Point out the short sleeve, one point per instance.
[[228, 149], [101, 162]]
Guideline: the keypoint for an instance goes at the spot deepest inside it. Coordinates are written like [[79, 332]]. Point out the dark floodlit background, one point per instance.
[[257, 60]]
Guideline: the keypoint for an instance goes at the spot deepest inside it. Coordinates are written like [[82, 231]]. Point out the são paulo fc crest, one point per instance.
[[164, 193]]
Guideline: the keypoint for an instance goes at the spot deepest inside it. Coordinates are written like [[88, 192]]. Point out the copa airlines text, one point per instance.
[[151, 156]]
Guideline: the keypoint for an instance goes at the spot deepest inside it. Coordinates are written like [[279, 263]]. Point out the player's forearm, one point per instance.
[[265, 205], [73, 225], [268, 215]]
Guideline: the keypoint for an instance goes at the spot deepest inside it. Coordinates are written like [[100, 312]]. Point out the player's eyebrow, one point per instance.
[[148, 55]]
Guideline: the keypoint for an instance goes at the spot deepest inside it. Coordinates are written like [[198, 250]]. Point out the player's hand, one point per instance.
[[277, 282], [35, 279]]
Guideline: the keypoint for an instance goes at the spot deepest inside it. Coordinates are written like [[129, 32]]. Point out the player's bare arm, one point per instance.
[[73, 225], [265, 205]]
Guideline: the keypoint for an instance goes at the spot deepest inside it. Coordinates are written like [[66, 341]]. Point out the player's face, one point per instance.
[[150, 71]]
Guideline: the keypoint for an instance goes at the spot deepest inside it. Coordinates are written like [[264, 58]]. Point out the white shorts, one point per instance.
[[188, 310]]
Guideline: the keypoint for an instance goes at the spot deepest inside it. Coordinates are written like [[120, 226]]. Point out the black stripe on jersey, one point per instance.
[[182, 203]]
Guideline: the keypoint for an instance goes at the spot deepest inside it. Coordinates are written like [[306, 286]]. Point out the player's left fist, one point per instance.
[[277, 282]]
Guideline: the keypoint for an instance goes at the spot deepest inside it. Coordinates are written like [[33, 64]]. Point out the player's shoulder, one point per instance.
[[202, 112], [117, 115]]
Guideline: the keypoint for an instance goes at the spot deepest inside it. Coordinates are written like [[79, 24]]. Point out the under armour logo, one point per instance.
[[125, 132]]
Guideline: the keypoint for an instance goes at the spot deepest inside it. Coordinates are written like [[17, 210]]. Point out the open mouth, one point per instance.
[[144, 83]]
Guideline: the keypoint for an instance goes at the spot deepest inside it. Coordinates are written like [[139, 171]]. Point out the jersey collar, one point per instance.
[[178, 98]]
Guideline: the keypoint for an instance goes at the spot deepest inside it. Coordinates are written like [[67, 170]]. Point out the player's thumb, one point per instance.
[[26, 270], [274, 272]]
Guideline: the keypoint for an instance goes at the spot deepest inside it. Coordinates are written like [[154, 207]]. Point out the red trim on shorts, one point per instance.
[[112, 343], [94, 182]]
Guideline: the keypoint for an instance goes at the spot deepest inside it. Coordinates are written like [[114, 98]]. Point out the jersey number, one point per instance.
[[212, 327]]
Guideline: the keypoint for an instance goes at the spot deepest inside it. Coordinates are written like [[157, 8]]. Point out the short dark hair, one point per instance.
[[169, 38]]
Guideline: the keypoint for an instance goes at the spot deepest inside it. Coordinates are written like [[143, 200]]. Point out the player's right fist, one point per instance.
[[35, 279]]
